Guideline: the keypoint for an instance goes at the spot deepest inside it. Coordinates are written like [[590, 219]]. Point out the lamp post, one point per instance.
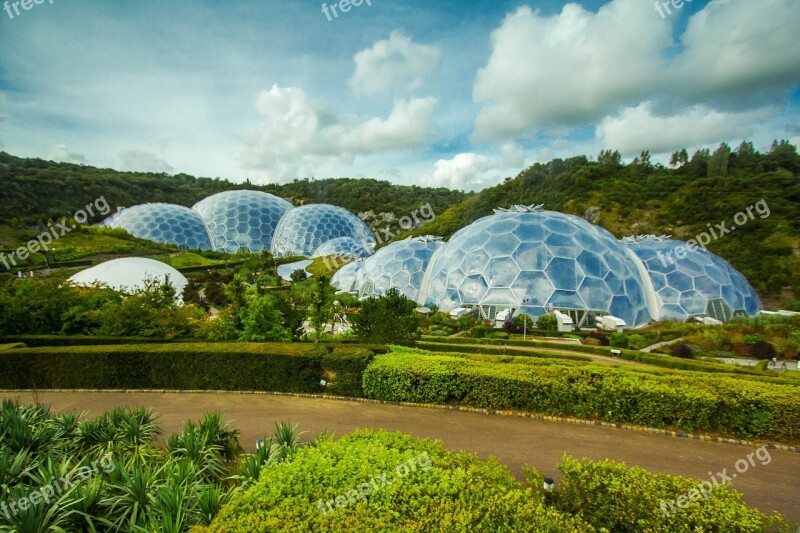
[[525, 321]]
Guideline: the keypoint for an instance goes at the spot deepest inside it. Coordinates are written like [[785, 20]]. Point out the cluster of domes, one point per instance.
[[525, 259], [249, 221], [535, 261]]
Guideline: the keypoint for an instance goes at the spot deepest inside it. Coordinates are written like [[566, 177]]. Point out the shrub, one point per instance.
[[440, 491], [616, 497], [600, 338], [620, 340], [223, 366], [762, 350], [684, 351], [547, 323], [723, 405]]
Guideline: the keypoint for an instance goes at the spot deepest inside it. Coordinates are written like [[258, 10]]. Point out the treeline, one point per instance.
[[646, 198], [35, 190]]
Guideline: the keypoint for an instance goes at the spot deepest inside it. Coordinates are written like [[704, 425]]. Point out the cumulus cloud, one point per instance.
[[464, 171], [396, 62], [567, 69], [640, 127], [62, 154], [296, 134], [735, 60], [738, 51], [512, 155], [143, 161]]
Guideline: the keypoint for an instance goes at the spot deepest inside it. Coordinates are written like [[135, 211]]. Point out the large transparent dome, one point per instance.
[[304, 229], [164, 223], [401, 265], [129, 274], [534, 260], [242, 220], [345, 278], [690, 281]]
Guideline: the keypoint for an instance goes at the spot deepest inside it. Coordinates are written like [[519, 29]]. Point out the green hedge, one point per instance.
[[407, 485], [695, 403], [225, 366], [614, 497], [437, 347], [36, 341]]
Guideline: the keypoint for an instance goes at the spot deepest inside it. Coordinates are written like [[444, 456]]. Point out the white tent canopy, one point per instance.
[[129, 274]]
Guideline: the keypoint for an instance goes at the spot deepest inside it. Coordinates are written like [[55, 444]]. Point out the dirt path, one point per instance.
[[514, 441]]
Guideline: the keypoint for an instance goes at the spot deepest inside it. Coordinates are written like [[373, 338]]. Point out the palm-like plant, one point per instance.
[[288, 439]]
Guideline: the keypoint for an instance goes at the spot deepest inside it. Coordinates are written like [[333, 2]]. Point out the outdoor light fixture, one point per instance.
[[548, 483]]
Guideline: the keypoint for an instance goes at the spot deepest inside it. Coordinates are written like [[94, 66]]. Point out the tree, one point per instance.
[[718, 163], [389, 319], [236, 292], [679, 158], [298, 275], [547, 323], [321, 308], [263, 322], [609, 158]]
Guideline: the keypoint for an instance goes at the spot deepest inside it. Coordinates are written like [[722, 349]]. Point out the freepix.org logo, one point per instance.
[[13, 8]]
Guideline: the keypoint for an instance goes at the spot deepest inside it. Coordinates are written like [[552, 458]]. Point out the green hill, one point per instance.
[[698, 193], [643, 198], [34, 190]]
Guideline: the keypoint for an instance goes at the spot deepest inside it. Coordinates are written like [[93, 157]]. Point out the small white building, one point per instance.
[[611, 323], [565, 322]]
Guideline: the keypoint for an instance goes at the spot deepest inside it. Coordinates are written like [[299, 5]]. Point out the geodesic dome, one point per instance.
[[535, 260], [343, 246], [304, 229], [345, 278], [690, 281], [164, 223], [401, 265], [242, 220], [129, 275]]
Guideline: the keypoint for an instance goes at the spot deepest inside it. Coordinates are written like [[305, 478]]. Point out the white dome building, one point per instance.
[[129, 275]]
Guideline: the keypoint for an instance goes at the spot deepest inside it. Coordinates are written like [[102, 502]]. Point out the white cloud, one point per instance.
[[578, 67], [62, 154], [391, 63], [640, 128], [464, 171], [512, 155], [143, 161], [738, 48], [567, 69], [297, 135]]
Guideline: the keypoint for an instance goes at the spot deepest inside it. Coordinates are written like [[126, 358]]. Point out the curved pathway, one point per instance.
[[514, 441]]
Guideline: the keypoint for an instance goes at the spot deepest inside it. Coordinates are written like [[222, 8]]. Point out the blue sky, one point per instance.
[[444, 93]]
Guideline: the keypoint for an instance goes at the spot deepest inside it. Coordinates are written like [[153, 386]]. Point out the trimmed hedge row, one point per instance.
[[36, 341], [716, 404], [272, 367], [436, 347], [614, 497]]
